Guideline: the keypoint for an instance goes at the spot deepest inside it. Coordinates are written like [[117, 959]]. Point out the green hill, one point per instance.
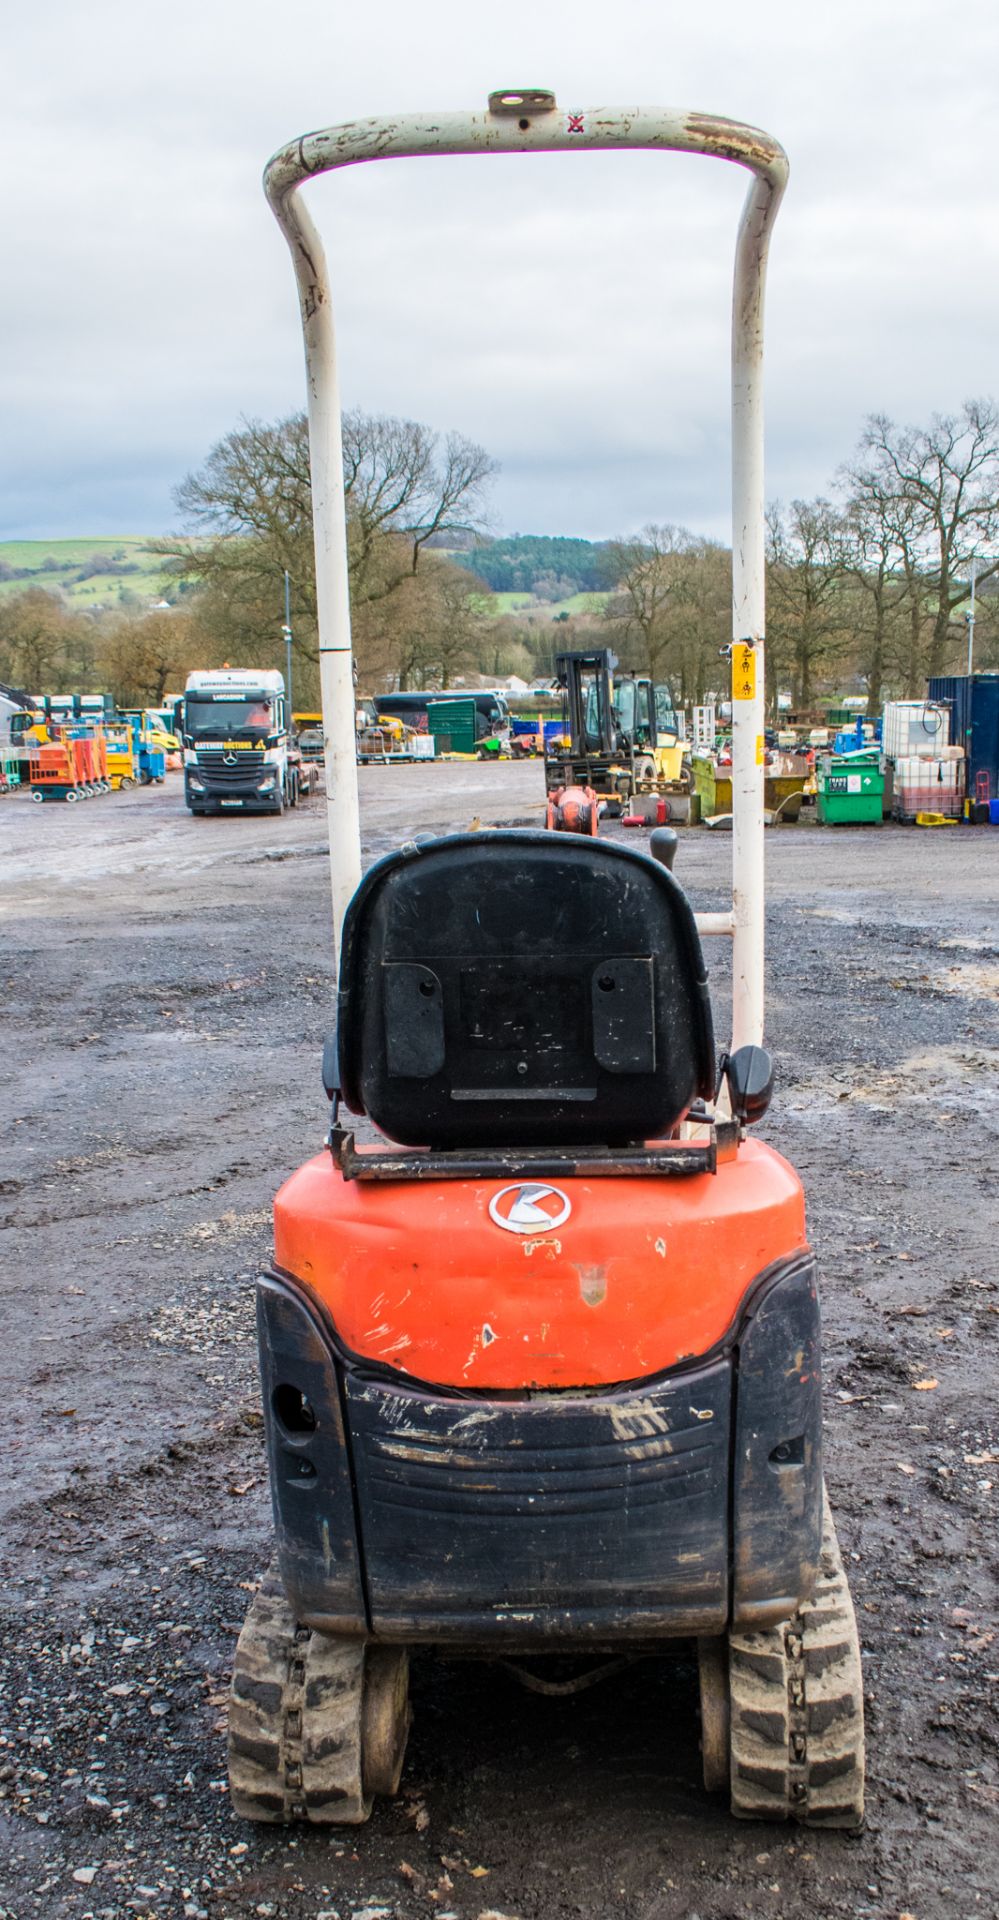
[[89, 573], [122, 571]]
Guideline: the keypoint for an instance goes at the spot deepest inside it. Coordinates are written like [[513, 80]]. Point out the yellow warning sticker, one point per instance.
[[743, 671], [761, 751]]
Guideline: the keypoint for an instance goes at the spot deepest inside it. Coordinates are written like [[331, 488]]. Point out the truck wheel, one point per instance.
[[796, 1703], [145, 779], [317, 1722], [36, 795]]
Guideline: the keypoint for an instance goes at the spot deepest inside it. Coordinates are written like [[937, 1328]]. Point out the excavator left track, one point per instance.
[[317, 1722]]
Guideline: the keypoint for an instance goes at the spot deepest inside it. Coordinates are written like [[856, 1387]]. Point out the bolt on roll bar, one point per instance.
[[520, 120]]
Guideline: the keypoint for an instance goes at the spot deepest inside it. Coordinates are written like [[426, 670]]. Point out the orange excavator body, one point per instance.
[[419, 1278]]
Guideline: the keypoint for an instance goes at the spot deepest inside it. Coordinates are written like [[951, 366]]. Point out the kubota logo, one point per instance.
[[529, 1209]]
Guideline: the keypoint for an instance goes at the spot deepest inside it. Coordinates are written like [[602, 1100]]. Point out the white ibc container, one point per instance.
[[927, 784], [914, 726]]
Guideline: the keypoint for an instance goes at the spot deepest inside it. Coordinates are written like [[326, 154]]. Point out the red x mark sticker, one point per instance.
[[576, 123]]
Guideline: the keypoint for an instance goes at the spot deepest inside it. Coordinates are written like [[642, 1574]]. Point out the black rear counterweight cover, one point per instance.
[[672, 1506]]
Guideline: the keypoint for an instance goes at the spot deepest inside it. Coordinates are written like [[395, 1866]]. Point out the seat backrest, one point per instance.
[[522, 989]]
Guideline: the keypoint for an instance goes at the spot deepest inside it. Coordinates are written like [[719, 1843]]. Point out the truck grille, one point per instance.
[[245, 773]]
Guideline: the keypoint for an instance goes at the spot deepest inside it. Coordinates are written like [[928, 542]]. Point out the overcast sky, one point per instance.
[[569, 312]]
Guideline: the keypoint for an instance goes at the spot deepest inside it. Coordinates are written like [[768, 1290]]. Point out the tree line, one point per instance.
[[867, 585], [551, 566]]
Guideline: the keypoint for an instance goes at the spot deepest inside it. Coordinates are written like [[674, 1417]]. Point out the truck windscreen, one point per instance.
[[209, 718]]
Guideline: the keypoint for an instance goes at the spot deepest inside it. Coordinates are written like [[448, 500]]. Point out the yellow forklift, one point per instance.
[[620, 734]]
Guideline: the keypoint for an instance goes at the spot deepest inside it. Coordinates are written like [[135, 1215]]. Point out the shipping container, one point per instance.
[[973, 703]]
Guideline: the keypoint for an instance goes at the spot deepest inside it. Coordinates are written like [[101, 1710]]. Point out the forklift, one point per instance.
[[620, 733], [540, 1352]]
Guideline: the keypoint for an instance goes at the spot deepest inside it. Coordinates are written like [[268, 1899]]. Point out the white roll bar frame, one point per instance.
[[528, 121]]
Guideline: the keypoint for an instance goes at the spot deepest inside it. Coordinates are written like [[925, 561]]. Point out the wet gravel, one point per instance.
[[166, 987]]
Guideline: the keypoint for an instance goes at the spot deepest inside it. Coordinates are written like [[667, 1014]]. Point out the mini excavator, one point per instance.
[[540, 1361]]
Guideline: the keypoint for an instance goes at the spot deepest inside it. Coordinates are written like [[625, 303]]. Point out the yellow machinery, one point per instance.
[[621, 728], [121, 758]]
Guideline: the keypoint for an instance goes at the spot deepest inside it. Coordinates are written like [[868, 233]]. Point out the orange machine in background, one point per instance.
[[67, 762]]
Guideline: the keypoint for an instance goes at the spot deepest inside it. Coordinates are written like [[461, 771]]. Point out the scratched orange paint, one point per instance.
[[642, 1274]]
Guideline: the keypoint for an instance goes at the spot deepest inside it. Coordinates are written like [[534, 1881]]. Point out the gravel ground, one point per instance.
[[166, 993]]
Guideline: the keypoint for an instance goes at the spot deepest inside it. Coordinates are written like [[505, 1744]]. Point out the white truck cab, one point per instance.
[[237, 742]]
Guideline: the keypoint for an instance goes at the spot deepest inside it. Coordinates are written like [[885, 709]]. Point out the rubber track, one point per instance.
[[295, 1718], [797, 1704]]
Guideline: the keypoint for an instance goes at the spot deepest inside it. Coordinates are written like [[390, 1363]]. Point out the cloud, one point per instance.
[[571, 312]]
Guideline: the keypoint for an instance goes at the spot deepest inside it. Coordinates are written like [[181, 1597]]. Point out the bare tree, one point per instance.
[[805, 622], [461, 607], [427, 632], [249, 507], [987, 627], [650, 574], [142, 659], [947, 476], [401, 478], [255, 482], [44, 647], [887, 593], [699, 621]]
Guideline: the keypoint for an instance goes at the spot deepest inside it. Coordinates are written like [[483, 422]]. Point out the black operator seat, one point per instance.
[[522, 989]]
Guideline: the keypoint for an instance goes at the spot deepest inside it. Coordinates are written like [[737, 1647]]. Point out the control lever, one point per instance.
[[663, 843]]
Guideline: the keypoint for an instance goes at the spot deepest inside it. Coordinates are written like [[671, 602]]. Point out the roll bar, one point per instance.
[[527, 120]]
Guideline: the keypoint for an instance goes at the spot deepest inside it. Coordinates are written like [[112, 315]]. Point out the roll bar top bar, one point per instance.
[[527, 120]]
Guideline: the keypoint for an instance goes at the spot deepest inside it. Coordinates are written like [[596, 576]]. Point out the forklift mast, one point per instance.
[[576, 673], [608, 712]]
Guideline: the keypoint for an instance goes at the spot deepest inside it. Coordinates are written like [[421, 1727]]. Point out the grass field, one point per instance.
[[514, 602], [528, 603], [74, 568]]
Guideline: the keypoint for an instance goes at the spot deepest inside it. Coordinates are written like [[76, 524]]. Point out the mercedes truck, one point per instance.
[[239, 752]]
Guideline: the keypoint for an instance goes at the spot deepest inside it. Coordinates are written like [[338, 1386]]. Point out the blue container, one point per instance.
[[994, 813], [974, 722]]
